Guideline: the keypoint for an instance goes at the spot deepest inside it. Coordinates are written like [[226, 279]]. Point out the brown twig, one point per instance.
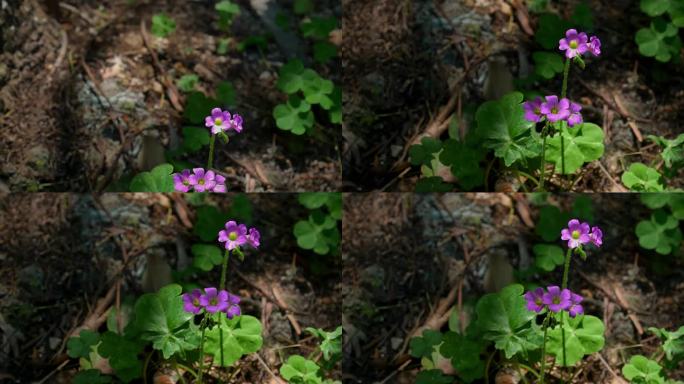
[[171, 90]]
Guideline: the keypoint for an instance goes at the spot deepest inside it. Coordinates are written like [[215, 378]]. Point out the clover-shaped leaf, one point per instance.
[[206, 256], [295, 116], [464, 159], [300, 370], [677, 13], [582, 16], [290, 76], [502, 126], [551, 29], [227, 11], [159, 179], [209, 222], [162, 25], [672, 150], [423, 346], [640, 177], [432, 184], [323, 51], [659, 41], [122, 354], [583, 336], [197, 107], [642, 370], [194, 138], [91, 376], [503, 318], [425, 152], [547, 256], [241, 336], [583, 143], [319, 233], [188, 82], [313, 200], [433, 376], [319, 27], [551, 222], [464, 353], [654, 7], [547, 64], [161, 319], [655, 200], [673, 343], [81, 345], [661, 233], [317, 90], [225, 93], [331, 342]]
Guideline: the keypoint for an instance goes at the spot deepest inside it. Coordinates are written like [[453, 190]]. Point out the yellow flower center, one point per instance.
[[556, 300], [573, 44], [195, 302], [201, 181], [232, 236], [218, 122], [575, 235]]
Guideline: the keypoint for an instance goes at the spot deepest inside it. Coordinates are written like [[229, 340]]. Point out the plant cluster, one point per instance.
[[319, 232], [644, 178], [305, 370], [661, 231], [661, 40]]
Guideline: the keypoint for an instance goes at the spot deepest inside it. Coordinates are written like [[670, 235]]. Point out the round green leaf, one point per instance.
[[313, 200], [241, 336], [81, 345], [548, 256], [661, 233], [298, 369], [206, 256], [159, 179], [642, 370], [295, 116], [639, 177], [423, 346], [655, 7], [290, 76], [195, 138], [583, 336], [433, 376], [547, 64], [583, 143]]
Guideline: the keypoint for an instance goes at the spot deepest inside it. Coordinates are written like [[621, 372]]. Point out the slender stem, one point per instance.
[[542, 370], [542, 167], [210, 162], [220, 315], [145, 365], [175, 368], [203, 327], [517, 368], [187, 369], [564, 91], [566, 270], [530, 369], [566, 71], [489, 362]]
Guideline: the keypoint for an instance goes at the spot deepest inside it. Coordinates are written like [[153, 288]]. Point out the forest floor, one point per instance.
[[412, 66], [89, 96], [58, 266], [402, 262]]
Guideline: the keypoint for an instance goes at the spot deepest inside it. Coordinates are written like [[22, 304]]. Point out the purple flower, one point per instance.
[[556, 299], [596, 236], [202, 181], [213, 300], [253, 237], [573, 44], [234, 235], [236, 123], [533, 110], [556, 110], [218, 121], [220, 186], [575, 115], [594, 46], [576, 234], [575, 308], [535, 300], [191, 301], [233, 307], [181, 181]]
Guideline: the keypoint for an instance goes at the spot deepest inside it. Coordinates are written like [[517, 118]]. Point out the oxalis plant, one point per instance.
[[524, 329]]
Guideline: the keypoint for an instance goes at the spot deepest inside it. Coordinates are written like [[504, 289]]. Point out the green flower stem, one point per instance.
[[203, 327], [564, 91], [222, 285], [175, 368], [566, 270], [187, 369], [566, 71], [210, 162], [542, 370], [530, 369], [542, 168]]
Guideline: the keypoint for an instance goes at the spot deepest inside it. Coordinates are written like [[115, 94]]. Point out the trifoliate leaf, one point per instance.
[[672, 150], [319, 233], [583, 144], [162, 25], [464, 354], [225, 93], [187, 83], [547, 64], [298, 369], [654, 7], [290, 76], [81, 345], [583, 336], [241, 336], [642, 178], [660, 233], [197, 107], [324, 51], [319, 27], [642, 370], [335, 112], [502, 126], [432, 184], [123, 356], [464, 160], [206, 256], [551, 222], [673, 343], [330, 342], [209, 222], [240, 209], [583, 17], [424, 153], [551, 29], [334, 205], [548, 256], [583, 208], [317, 90], [655, 200], [313, 200], [295, 116], [159, 179], [677, 13], [423, 346], [194, 138], [659, 41]]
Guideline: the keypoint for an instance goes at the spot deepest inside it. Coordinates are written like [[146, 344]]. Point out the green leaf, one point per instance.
[[503, 318], [639, 177], [583, 336], [81, 346], [324, 51], [503, 127], [673, 343], [672, 150], [334, 205], [161, 319], [331, 342], [583, 143], [313, 200], [582, 208], [335, 112], [206, 256], [661, 233], [642, 370], [298, 369], [464, 353], [319, 233], [241, 336], [655, 200], [240, 209], [227, 11], [464, 160], [225, 93], [187, 83], [432, 184], [433, 376], [551, 222], [91, 376], [547, 64], [194, 138], [677, 13], [258, 41], [654, 7], [290, 76], [162, 25], [159, 179], [209, 222], [659, 41], [582, 16], [295, 116], [197, 107], [425, 152], [423, 346], [551, 29], [123, 356], [319, 27], [317, 90], [548, 256]]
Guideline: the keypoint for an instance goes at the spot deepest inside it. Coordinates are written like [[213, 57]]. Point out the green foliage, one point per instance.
[[206, 256], [583, 336], [209, 222], [225, 93], [197, 107], [82, 345], [551, 29], [464, 158], [583, 143], [654, 7], [227, 10], [502, 126], [318, 27], [551, 222], [641, 370], [122, 354], [660, 40], [675, 201], [661, 233], [315, 200], [642, 178], [302, 7], [423, 346], [673, 344], [161, 319], [433, 376], [299, 370], [258, 41], [464, 353], [548, 256], [324, 51], [582, 16], [187, 83], [425, 152], [320, 231], [672, 150], [159, 179], [432, 184], [294, 116], [91, 376], [331, 343], [504, 319], [547, 64], [241, 336], [162, 25], [194, 138]]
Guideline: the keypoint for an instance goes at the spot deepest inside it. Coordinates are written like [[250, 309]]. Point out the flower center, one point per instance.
[[201, 182], [213, 301], [218, 122], [573, 44], [195, 302], [186, 182], [556, 300], [554, 110], [537, 111], [232, 236], [538, 301], [575, 235]]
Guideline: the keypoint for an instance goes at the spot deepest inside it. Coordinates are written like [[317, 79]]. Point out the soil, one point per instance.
[[56, 265], [85, 106], [401, 69], [400, 262]]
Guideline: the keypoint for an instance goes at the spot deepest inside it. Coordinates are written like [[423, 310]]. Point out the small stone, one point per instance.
[[54, 342], [396, 342]]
